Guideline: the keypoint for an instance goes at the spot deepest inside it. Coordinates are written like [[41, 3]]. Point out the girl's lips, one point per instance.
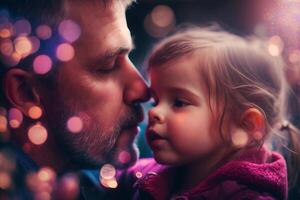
[[154, 139], [152, 135]]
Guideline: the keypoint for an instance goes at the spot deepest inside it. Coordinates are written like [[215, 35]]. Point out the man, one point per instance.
[[98, 86]]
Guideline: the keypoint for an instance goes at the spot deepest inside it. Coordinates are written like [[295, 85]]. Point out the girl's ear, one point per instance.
[[250, 127], [19, 90], [253, 122]]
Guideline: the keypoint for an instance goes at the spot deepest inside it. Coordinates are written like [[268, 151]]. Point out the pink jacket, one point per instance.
[[256, 174]]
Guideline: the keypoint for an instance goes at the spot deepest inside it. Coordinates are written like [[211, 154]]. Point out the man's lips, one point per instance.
[[137, 117]]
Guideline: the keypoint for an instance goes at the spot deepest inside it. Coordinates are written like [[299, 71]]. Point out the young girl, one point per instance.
[[217, 98]]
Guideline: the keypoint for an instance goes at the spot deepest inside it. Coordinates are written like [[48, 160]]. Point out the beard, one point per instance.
[[93, 146]]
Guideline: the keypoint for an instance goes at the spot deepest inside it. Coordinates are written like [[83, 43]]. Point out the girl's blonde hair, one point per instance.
[[238, 72]]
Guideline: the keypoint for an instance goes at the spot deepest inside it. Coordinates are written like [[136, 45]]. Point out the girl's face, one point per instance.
[[181, 128]]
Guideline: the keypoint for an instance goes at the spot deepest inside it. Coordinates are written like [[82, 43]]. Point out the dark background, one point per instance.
[[238, 16]]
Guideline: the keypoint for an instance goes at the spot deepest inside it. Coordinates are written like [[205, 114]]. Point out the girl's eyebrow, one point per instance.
[[184, 91]]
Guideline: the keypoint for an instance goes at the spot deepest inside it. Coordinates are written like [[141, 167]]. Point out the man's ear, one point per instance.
[[19, 90], [253, 122]]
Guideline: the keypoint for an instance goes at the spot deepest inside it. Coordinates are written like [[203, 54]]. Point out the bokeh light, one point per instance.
[[35, 112], [23, 46], [273, 50], [69, 30], [3, 124], [107, 176], [5, 180], [43, 196], [42, 64], [139, 174], [65, 52], [162, 16], [294, 56], [109, 183], [15, 117], [107, 171], [6, 47], [284, 21], [124, 157], [22, 27], [68, 187], [74, 124], [44, 32], [37, 134], [12, 60], [5, 33], [35, 43], [41, 183], [275, 45], [46, 174], [239, 138], [160, 21], [6, 29]]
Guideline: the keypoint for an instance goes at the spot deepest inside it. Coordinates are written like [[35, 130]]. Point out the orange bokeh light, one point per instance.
[[23, 46], [35, 112], [6, 47], [37, 134], [3, 124]]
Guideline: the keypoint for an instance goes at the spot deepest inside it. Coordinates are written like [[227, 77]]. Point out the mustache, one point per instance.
[[134, 116]]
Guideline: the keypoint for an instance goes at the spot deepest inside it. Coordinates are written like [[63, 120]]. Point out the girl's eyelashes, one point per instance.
[[180, 103]]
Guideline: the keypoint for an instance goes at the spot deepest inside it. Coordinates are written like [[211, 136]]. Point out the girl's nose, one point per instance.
[[156, 116]]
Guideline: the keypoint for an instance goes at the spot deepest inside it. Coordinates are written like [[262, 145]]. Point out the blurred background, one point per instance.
[[276, 21]]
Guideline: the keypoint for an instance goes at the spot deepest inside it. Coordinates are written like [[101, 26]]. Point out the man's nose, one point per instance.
[[136, 90]]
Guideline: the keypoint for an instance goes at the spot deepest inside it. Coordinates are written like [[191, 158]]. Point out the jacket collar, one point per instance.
[[255, 167]]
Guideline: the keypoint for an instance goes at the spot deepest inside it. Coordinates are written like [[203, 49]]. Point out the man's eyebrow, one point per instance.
[[118, 51], [115, 52]]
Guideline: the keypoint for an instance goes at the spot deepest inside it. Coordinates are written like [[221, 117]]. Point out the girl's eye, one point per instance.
[[180, 103]]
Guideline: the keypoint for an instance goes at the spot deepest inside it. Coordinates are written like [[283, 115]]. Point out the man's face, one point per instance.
[[101, 86]]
